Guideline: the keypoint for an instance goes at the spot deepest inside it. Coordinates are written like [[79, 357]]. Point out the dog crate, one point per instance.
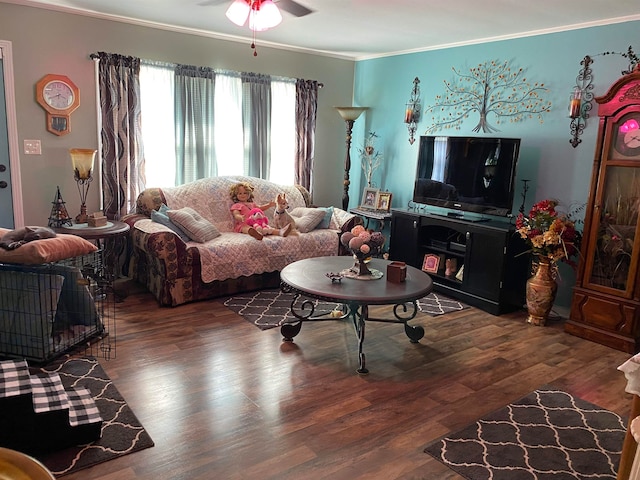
[[51, 309]]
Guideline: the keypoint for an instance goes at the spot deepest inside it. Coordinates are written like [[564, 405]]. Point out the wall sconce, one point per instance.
[[349, 115], [580, 101], [82, 161], [412, 112]]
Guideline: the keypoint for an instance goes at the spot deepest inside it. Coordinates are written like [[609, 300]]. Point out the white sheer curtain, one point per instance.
[[158, 132], [283, 132], [228, 125]]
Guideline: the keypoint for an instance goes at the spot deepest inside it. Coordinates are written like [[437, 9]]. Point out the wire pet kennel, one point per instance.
[[50, 309]]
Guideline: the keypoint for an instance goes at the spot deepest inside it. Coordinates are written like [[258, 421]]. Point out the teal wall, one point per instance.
[[555, 168]]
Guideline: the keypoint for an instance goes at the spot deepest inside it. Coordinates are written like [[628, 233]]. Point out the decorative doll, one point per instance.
[[249, 217]]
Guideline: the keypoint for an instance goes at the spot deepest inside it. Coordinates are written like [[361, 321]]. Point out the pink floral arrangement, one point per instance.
[[362, 242], [549, 233]]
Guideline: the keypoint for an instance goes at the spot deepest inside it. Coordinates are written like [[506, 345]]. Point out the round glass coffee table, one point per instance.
[[308, 279]]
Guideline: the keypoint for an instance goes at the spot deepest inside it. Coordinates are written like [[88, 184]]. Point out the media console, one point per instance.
[[489, 271]]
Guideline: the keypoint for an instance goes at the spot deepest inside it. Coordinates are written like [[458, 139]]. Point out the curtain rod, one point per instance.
[[158, 63]]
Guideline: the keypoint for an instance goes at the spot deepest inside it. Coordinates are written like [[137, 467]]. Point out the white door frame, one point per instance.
[[6, 53]]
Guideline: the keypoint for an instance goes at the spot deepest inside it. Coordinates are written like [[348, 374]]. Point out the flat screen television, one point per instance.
[[469, 174]]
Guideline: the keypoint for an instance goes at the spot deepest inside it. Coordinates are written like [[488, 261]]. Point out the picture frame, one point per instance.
[[383, 202], [431, 263], [369, 198]]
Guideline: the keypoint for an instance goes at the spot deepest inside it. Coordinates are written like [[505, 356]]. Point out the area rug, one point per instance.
[[122, 433], [272, 308], [549, 434]]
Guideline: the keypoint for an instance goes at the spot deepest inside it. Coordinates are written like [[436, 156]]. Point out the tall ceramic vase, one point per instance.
[[541, 292]]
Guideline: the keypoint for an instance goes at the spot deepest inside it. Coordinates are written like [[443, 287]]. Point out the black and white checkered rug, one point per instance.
[[271, 308]]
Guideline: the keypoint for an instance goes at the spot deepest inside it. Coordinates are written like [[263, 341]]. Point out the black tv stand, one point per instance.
[[489, 272], [461, 216]]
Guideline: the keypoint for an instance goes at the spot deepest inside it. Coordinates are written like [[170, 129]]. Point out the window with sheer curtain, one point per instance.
[[198, 123]]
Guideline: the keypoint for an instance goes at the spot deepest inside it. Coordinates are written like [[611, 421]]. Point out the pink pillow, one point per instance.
[[47, 250]]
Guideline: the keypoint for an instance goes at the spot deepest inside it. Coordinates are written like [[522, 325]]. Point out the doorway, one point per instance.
[[11, 207]]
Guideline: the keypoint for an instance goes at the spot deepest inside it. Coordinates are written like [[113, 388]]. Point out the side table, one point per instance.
[[105, 238], [381, 216], [112, 229]]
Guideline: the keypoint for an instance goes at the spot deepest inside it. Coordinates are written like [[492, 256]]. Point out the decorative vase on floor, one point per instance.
[[541, 292]]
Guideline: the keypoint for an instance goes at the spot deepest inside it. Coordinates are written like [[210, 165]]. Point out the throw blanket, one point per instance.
[[233, 255]]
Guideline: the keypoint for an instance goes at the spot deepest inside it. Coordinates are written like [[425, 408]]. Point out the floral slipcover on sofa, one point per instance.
[[178, 271]]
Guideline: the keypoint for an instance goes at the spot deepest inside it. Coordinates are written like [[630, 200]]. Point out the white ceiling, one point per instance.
[[368, 28]]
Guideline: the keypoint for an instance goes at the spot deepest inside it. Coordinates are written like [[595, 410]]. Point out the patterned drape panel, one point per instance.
[[256, 91], [306, 113], [194, 101], [122, 156]]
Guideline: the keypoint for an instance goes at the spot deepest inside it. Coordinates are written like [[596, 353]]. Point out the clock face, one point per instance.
[[627, 135], [57, 94]]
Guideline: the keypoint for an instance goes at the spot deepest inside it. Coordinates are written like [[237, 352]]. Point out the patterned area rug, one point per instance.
[[271, 308], [122, 433], [549, 434]]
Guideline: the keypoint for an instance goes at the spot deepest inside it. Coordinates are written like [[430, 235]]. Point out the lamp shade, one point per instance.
[[238, 12], [350, 113], [82, 161], [264, 15]]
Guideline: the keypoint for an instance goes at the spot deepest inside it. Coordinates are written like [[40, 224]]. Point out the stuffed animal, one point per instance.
[[258, 220]]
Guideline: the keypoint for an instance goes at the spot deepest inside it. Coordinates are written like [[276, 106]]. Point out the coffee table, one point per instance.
[[308, 279]]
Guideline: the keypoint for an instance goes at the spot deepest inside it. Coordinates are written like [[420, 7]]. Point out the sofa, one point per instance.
[[180, 266]]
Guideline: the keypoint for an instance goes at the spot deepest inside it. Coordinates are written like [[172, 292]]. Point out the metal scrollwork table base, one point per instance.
[[307, 280]]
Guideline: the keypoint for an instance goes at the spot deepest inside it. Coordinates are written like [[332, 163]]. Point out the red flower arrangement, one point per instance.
[[549, 233]]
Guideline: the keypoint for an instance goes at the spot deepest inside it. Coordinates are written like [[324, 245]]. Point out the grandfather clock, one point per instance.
[[606, 299]]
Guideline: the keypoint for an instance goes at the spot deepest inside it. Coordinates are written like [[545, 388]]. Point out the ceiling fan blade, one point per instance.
[[294, 8], [208, 3]]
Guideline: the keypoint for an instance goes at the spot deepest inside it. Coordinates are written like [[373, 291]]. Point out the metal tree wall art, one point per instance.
[[492, 88]]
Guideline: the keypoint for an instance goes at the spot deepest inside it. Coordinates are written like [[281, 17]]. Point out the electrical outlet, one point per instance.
[[32, 147]]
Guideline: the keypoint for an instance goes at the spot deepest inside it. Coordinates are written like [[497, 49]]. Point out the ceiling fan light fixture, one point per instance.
[[264, 15], [238, 12]]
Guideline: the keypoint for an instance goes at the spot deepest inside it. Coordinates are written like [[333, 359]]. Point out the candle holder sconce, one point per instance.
[[412, 112], [582, 96], [580, 103]]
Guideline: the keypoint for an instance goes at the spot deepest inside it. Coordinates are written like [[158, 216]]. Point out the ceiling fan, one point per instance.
[[290, 6]]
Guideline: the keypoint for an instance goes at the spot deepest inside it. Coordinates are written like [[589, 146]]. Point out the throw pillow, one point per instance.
[[326, 221], [48, 250], [307, 218], [161, 216], [193, 224]]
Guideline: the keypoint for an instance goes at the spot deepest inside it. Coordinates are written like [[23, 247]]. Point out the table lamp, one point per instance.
[[82, 161]]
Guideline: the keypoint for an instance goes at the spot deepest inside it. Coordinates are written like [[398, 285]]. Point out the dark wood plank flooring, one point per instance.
[[225, 400]]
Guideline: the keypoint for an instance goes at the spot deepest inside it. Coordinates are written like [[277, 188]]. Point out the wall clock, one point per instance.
[[59, 97], [626, 134]]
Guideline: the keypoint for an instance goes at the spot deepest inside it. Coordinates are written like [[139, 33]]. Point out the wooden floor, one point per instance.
[[225, 400]]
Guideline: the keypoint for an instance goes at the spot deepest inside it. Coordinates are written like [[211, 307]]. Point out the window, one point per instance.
[[231, 137]]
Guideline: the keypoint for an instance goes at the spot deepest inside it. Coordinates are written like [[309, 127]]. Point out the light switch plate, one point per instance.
[[32, 147]]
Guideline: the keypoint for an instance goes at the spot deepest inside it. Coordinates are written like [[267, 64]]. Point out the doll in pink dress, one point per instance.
[[249, 217]]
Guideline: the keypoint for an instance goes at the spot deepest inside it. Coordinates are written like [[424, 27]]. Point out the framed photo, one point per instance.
[[384, 201], [431, 263], [369, 198]]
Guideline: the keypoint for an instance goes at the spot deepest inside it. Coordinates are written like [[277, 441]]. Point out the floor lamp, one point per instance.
[[349, 115]]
